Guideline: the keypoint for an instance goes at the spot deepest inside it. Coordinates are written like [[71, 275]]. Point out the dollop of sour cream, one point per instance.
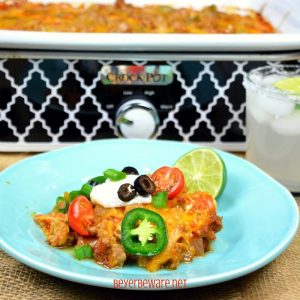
[[106, 194]]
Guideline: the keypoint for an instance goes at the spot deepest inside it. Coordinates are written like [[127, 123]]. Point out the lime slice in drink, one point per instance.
[[291, 84], [204, 170]]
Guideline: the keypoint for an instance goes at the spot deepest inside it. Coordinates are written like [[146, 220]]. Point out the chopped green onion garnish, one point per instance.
[[73, 195], [86, 190], [98, 179], [114, 175], [61, 205], [159, 200], [59, 198], [82, 252]]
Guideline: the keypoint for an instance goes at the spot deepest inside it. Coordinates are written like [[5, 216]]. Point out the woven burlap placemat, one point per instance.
[[278, 280]]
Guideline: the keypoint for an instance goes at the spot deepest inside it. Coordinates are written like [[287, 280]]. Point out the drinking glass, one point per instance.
[[273, 124]]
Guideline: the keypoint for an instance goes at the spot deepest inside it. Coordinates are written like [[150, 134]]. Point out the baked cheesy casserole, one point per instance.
[[126, 18]]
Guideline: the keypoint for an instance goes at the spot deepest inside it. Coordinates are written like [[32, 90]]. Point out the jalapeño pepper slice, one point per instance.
[[143, 232]]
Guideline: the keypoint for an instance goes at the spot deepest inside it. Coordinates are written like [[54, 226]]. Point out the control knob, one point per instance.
[[137, 118]]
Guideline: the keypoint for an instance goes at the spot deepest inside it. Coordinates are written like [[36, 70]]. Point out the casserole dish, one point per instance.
[[282, 15]]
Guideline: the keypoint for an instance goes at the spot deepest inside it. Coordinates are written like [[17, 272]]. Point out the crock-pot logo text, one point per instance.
[[136, 75], [146, 78]]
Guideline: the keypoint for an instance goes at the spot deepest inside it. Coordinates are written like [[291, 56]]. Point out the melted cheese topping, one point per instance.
[[122, 17]]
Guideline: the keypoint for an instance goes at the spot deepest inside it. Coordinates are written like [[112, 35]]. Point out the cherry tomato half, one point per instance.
[[80, 215], [168, 179]]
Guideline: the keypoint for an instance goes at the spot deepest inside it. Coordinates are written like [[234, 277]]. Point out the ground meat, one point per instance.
[[108, 250], [56, 229], [83, 240], [111, 255]]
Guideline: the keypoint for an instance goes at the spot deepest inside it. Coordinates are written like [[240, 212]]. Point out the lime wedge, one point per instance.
[[291, 84], [204, 170]]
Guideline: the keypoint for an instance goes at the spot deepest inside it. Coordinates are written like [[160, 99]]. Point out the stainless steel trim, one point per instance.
[[150, 56]]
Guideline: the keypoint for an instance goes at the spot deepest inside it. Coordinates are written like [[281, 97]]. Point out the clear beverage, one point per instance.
[[273, 125]]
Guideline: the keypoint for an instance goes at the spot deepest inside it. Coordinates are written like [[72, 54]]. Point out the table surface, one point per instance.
[[278, 280]]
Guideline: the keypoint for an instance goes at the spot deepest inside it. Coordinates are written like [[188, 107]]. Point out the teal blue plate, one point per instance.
[[260, 217]]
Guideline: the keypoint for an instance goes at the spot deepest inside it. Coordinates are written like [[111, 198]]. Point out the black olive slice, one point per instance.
[[130, 171], [144, 185], [126, 192]]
